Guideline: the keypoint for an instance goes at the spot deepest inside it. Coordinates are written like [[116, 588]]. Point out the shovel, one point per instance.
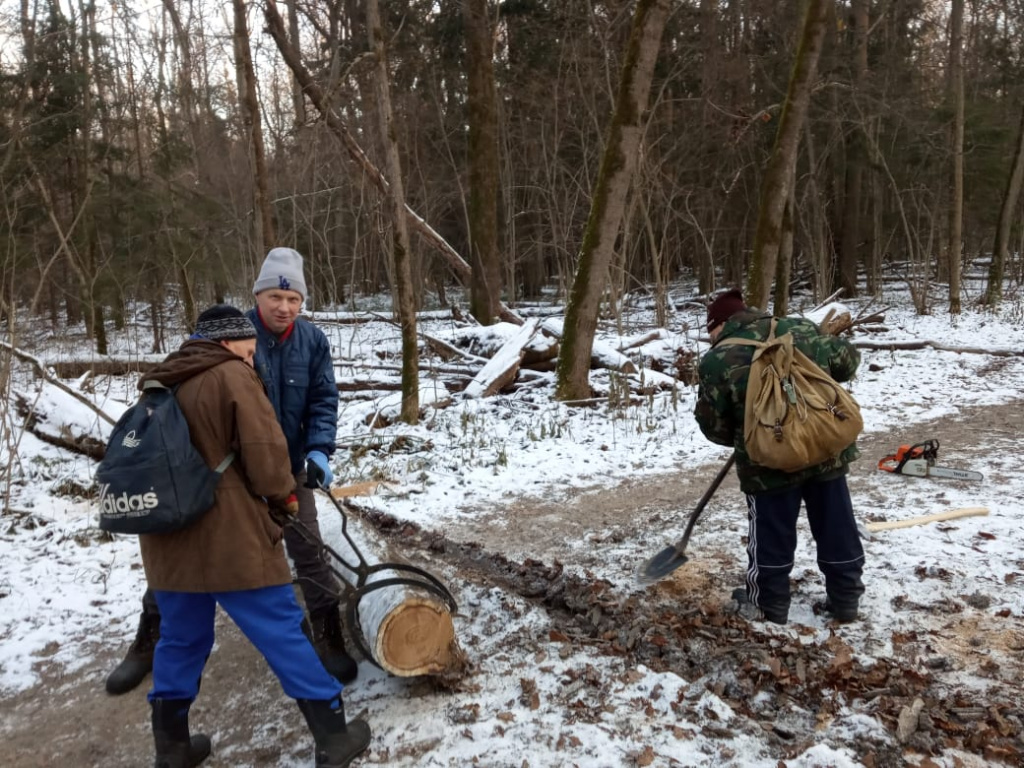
[[671, 557]]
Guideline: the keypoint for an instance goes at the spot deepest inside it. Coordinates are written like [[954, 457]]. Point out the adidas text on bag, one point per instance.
[[152, 479], [796, 415]]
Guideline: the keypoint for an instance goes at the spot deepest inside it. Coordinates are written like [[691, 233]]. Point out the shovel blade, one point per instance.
[[661, 565]]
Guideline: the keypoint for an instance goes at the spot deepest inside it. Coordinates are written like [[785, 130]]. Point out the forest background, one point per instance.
[[150, 152]]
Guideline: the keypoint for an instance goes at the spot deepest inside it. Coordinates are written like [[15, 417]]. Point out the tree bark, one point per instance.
[[298, 100], [485, 285], [401, 248], [1001, 249], [614, 178], [779, 173], [855, 160], [784, 266], [956, 203], [263, 217]]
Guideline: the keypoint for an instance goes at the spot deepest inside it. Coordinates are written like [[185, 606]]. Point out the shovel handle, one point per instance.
[[703, 502]]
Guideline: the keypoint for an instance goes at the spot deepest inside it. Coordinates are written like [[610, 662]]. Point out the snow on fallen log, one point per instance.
[[501, 370], [408, 630], [68, 420], [601, 355]]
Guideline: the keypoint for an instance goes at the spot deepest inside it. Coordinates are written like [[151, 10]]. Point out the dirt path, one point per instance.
[[67, 719]]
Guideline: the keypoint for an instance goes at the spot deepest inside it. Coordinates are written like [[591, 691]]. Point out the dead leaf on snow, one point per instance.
[[506, 717], [646, 757]]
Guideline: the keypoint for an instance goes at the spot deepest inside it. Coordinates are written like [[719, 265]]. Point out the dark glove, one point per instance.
[[318, 470]]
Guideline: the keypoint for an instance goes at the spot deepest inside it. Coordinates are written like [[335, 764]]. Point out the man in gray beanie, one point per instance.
[[282, 270], [293, 359]]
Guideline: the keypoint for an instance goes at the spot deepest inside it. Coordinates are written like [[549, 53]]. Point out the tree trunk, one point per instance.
[[956, 202], [779, 173], [400, 247], [262, 215], [606, 210], [298, 100], [1001, 249], [784, 268], [485, 286], [855, 160]]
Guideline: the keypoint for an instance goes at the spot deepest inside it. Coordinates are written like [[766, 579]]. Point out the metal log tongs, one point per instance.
[[361, 570]]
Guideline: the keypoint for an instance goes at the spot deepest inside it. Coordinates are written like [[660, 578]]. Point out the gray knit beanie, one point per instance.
[[282, 269]]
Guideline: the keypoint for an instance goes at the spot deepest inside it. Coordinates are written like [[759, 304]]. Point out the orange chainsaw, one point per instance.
[[919, 461]]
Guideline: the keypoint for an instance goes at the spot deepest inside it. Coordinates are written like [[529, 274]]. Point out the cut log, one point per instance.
[[408, 630], [938, 517], [501, 369]]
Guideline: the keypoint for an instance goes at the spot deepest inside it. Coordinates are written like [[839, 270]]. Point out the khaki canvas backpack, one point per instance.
[[797, 415]]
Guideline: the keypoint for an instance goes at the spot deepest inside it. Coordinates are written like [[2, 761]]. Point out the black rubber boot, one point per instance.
[[337, 742], [742, 605], [138, 662], [330, 645], [840, 612], [175, 748]]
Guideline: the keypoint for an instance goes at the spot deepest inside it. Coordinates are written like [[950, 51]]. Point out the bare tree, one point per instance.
[[779, 173], [855, 159], [263, 219], [956, 140], [482, 159], [401, 249], [607, 207], [1001, 248]]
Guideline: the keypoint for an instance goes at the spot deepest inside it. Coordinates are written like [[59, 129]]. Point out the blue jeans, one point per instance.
[[269, 617]]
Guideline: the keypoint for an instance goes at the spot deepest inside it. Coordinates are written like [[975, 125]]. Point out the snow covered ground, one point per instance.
[[533, 699]]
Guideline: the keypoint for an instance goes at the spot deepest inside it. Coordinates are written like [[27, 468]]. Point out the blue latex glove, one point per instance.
[[318, 469]]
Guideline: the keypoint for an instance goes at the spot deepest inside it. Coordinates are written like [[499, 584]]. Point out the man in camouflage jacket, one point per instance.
[[773, 496]]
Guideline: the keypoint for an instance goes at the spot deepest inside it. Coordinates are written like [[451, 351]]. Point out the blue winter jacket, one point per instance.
[[299, 376]]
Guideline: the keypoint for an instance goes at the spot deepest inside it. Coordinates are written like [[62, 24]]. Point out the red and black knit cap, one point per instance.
[[222, 322], [724, 306]]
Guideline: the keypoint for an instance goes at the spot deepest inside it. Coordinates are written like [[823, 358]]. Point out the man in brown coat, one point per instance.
[[233, 555]]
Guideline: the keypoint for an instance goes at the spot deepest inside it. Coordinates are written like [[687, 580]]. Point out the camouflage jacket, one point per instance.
[[722, 393]]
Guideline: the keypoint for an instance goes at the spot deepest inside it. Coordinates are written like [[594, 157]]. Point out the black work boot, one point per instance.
[[175, 748], [743, 606], [337, 742], [330, 645], [138, 662], [844, 612]]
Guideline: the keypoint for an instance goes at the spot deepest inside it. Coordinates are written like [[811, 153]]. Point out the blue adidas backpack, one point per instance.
[[152, 479]]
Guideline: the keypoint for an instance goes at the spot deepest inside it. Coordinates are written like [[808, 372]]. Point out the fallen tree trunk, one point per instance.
[[408, 630], [45, 375], [501, 369], [911, 345], [47, 426]]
